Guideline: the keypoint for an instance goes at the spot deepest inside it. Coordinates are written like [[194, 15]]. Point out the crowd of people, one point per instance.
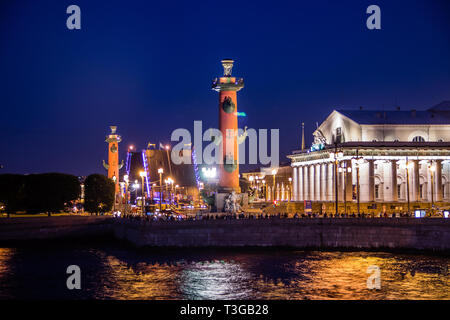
[[262, 215]]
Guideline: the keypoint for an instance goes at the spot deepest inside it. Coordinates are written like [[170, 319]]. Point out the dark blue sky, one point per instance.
[[147, 66]]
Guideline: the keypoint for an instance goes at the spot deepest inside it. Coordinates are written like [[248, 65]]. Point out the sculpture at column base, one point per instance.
[[231, 205], [230, 202]]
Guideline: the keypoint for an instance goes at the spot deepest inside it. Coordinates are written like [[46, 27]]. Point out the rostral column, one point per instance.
[[228, 86], [113, 165]]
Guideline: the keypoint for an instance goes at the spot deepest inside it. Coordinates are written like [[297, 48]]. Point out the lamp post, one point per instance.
[[274, 172], [359, 161], [343, 169], [169, 186], [407, 167], [167, 147], [432, 169], [125, 178], [290, 189], [115, 195], [136, 187], [166, 183], [160, 171], [265, 190], [257, 188], [336, 155], [122, 194], [153, 192], [142, 174], [199, 194]]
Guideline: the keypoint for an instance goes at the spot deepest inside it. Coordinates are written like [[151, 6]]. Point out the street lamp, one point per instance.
[[336, 156], [125, 178], [153, 192], [407, 167], [160, 171], [274, 172], [250, 178], [359, 161], [136, 187], [167, 192], [115, 195], [201, 186], [265, 190], [345, 170], [167, 147], [432, 169], [142, 174], [290, 189], [169, 185], [122, 192]]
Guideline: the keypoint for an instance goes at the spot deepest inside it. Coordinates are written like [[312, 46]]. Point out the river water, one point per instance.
[[115, 271]]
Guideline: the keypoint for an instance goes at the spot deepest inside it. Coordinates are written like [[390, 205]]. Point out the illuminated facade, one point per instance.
[[149, 161], [269, 187], [382, 153]]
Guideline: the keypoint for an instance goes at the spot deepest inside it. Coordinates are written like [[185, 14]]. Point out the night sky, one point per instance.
[[147, 67]]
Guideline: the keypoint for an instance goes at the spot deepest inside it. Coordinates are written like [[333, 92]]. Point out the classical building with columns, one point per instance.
[[375, 158]]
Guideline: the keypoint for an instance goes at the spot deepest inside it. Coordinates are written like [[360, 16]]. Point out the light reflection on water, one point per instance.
[[115, 272]]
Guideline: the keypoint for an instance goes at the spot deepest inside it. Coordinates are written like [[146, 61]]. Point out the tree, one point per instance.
[[36, 193], [12, 192], [98, 193], [50, 192], [209, 200]]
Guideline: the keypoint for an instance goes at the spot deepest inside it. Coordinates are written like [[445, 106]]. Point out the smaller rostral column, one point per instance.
[[227, 86], [113, 165]]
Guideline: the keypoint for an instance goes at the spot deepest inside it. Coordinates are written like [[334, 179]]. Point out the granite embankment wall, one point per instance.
[[351, 233], [41, 228], [321, 233]]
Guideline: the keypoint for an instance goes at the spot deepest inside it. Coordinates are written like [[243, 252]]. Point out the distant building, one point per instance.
[[381, 145], [265, 183], [149, 161]]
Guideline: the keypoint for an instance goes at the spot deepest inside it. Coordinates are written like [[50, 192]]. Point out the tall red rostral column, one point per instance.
[[113, 165], [227, 86]]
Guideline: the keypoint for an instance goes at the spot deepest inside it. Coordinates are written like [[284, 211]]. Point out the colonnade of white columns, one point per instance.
[[316, 182]]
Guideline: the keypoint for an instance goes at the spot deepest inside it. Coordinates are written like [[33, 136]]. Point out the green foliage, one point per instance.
[[50, 192], [210, 200], [99, 193], [37, 193], [244, 184], [12, 192]]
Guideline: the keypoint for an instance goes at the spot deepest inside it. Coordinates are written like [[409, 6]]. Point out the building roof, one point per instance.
[[438, 114]]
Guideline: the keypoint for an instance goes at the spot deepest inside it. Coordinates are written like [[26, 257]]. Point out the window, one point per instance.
[[339, 135], [418, 139], [377, 189], [421, 191], [399, 188]]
